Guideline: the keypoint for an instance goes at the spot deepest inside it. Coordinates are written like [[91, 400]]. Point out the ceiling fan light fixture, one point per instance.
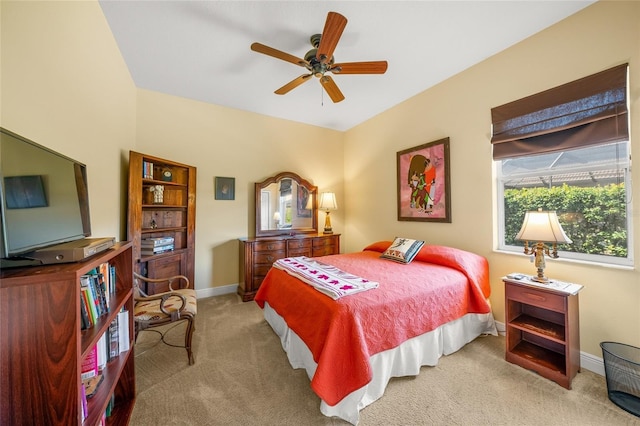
[[320, 59]]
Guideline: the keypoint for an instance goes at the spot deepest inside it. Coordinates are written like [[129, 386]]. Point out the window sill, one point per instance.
[[623, 267]]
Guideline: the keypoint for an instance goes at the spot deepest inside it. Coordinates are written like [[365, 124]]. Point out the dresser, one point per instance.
[[258, 254]]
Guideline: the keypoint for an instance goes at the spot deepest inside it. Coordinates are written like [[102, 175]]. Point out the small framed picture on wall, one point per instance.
[[225, 188]]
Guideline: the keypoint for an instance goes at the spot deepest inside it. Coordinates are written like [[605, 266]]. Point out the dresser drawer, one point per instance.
[[323, 242], [260, 271], [162, 267], [268, 257], [323, 251], [300, 252], [270, 245], [535, 297], [295, 244]]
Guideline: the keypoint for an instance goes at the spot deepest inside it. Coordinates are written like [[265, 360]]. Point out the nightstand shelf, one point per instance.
[[544, 357], [542, 328]]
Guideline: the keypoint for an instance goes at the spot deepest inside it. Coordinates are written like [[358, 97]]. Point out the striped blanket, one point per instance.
[[327, 279]]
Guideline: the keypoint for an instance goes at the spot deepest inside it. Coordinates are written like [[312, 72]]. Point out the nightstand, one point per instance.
[[542, 326]]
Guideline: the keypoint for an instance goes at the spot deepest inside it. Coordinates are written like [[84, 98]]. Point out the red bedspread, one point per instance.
[[440, 285]]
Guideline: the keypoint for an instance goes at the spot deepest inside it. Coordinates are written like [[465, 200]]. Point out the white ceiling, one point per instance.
[[201, 49]]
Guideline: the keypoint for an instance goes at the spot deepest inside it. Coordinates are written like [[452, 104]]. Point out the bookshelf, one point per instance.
[[42, 345], [168, 212]]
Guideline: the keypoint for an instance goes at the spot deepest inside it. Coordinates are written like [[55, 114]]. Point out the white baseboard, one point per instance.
[[216, 291], [587, 361]]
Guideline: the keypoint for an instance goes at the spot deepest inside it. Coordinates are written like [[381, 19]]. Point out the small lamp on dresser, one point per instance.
[[543, 227], [327, 203]]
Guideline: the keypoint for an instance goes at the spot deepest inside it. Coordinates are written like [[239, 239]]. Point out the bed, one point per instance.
[[351, 346]]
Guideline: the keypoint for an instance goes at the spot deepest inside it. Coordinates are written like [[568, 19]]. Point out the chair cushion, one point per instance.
[[150, 310]]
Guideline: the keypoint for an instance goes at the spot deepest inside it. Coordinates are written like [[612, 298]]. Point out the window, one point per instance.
[[567, 149], [587, 187]]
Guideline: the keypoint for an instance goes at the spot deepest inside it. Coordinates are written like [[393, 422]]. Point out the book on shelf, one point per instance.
[[85, 321], [103, 353], [123, 330], [96, 289], [156, 250], [114, 339], [147, 170], [156, 242], [87, 294], [112, 279], [109, 410], [89, 366], [83, 403]]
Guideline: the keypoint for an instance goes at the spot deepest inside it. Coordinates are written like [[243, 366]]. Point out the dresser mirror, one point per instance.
[[286, 204]]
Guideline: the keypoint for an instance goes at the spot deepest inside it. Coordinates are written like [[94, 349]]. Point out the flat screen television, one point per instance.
[[44, 197]]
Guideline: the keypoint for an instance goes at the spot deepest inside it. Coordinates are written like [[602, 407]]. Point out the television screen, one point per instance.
[[44, 196]]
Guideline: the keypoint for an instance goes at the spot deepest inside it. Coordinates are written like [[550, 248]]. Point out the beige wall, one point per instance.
[[599, 37], [231, 143], [64, 85]]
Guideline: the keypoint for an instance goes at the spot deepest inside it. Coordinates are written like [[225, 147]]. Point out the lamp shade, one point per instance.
[[276, 216], [542, 226], [328, 201]]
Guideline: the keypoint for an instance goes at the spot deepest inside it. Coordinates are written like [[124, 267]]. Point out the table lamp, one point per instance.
[[328, 203], [543, 227]]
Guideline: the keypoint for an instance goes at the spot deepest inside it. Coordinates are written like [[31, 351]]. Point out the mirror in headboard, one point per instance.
[[286, 204]]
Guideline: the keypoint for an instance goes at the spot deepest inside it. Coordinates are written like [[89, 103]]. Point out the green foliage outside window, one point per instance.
[[593, 217]]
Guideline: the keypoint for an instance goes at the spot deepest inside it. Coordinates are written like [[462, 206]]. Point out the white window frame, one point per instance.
[[573, 256]]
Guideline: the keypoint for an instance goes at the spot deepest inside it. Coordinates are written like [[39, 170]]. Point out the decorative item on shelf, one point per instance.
[[167, 175], [543, 227], [153, 224], [276, 219], [158, 193], [328, 203]]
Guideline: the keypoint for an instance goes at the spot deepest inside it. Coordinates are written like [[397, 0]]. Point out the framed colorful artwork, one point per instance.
[[225, 188], [424, 192]]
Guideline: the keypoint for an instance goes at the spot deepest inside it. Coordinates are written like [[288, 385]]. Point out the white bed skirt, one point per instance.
[[404, 360]]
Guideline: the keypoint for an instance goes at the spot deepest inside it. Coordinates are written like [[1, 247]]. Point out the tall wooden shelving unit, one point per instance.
[[42, 345], [174, 217]]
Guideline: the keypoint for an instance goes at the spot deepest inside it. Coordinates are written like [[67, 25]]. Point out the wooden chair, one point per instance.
[[164, 308]]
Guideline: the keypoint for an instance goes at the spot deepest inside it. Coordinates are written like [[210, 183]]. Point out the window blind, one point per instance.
[[588, 111]]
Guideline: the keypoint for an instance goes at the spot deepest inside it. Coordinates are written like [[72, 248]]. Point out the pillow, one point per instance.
[[379, 246], [402, 250]]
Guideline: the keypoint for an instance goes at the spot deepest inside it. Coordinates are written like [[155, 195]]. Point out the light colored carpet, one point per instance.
[[241, 376]]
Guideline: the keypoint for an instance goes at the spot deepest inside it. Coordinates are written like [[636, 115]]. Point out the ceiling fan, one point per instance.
[[319, 60]]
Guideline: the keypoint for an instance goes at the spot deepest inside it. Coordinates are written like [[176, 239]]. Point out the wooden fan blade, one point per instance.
[[278, 54], [373, 67], [333, 28], [292, 84], [331, 88]]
